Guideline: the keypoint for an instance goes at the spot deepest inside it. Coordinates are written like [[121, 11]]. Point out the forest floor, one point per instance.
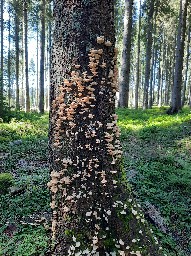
[[157, 160]]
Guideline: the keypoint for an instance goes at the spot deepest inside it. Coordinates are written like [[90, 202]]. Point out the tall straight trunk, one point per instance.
[[17, 24], [125, 62], [1, 68], [37, 68], [149, 43], [42, 57], [154, 74], [177, 86], [9, 60], [152, 69], [151, 82], [89, 201], [49, 51], [22, 100], [159, 83], [162, 80], [186, 69], [27, 95], [168, 64], [138, 61]]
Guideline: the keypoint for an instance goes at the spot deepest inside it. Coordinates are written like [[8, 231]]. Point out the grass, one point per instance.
[[23, 153], [157, 161]]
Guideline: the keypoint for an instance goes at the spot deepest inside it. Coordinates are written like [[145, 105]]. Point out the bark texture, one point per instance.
[[125, 62], [93, 213]]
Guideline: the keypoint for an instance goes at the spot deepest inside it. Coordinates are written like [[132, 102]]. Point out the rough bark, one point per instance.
[[42, 57], [177, 86], [125, 61], [93, 213], [25, 16], [149, 43]]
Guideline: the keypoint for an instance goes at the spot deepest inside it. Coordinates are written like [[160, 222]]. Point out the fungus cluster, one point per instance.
[[87, 155]]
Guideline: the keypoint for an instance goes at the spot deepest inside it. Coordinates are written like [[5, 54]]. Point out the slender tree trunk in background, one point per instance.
[[49, 44], [177, 86], [22, 100], [1, 68], [168, 64], [88, 198], [149, 44], [152, 69], [154, 74], [17, 24], [186, 69], [42, 57], [163, 45], [27, 95], [159, 84], [125, 62], [151, 83], [37, 66], [138, 61], [9, 59]]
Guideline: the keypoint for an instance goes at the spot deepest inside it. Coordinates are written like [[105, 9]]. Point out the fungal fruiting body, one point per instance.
[[86, 146]]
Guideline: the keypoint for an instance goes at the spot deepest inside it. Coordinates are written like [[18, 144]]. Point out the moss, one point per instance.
[[6, 180]]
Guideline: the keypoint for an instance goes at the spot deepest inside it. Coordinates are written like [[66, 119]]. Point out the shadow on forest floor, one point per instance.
[[157, 150], [157, 161]]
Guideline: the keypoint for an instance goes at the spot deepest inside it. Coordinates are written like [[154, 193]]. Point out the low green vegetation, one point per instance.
[[6, 180], [157, 149], [157, 161], [25, 210]]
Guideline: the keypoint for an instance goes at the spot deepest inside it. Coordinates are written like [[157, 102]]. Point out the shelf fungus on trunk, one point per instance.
[[93, 212]]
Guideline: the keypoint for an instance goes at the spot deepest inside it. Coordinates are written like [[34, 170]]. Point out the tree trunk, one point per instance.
[[89, 202], [9, 59], [27, 96], [125, 62], [37, 65], [149, 43], [152, 69], [1, 68], [17, 23], [186, 69], [138, 61], [159, 83], [177, 86], [22, 100], [42, 57]]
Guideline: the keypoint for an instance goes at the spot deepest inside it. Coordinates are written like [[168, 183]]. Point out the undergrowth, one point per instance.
[[157, 161]]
